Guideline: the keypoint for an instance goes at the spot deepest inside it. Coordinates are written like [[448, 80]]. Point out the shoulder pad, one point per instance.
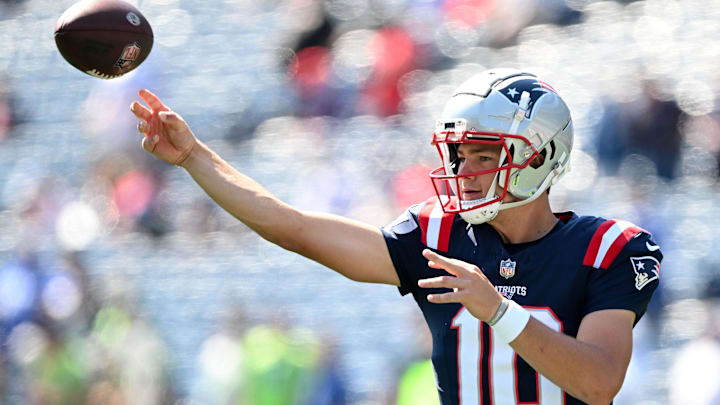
[[435, 225], [607, 242]]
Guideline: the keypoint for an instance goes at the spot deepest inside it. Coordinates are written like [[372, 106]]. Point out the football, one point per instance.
[[103, 38]]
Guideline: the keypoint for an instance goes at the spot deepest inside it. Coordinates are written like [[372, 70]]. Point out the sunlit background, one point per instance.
[[122, 283]]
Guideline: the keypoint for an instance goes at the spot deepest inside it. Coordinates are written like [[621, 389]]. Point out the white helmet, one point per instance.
[[517, 111]]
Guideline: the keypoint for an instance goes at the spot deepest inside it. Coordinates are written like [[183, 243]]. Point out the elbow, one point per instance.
[[599, 399], [287, 243], [602, 391], [287, 239]]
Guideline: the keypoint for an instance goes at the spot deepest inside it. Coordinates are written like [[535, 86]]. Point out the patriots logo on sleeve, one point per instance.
[[647, 269]]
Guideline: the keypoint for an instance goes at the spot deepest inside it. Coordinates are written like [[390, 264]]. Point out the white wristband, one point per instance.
[[509, 326]]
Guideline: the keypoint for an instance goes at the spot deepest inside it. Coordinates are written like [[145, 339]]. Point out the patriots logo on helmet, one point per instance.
[[513, 89], [647, 269]]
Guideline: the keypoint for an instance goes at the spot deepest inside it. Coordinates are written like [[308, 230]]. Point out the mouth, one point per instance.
[[469, 194]]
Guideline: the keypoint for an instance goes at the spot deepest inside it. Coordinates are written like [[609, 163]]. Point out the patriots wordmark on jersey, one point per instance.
[[584, 264]]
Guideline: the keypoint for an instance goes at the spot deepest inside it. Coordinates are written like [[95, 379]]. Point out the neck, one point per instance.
[[525, 223]]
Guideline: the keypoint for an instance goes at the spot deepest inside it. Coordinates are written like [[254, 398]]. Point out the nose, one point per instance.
[[464, 168]]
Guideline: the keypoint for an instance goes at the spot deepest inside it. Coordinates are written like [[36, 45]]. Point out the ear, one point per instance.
[[539, 160]]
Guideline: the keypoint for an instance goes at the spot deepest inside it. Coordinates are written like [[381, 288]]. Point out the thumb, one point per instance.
[[149, 143]]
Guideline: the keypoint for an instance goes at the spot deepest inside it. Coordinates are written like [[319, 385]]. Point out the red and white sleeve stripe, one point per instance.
[[607, 242], [435, 225]]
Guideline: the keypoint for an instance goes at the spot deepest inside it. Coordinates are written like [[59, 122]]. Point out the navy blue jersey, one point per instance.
[[584, 264]]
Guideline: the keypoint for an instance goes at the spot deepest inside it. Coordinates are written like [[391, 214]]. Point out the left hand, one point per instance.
[[469, 286]]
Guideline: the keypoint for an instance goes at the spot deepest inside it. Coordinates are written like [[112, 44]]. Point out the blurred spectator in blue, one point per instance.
[[648, 126], [653, 131], [612, 137], [329, 386], [19, 281], [51, 304], [68, 347]]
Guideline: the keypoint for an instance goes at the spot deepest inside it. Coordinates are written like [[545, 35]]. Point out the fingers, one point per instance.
[[445, 298], [436, 258], [152, 100], [140, 111], [452, 266], [149, 143], [442, 282], [143, 127]]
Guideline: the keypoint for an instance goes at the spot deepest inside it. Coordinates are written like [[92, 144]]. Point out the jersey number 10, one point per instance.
[[505, 374]]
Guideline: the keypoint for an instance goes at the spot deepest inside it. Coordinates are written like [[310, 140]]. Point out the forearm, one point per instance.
[[353, 249], [583, 370], [243, 197]]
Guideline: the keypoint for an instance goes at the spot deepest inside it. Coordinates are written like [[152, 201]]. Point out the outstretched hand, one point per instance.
[[167, 135], [469, 286]]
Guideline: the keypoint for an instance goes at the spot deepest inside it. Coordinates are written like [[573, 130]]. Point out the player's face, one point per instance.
[[474, 158]]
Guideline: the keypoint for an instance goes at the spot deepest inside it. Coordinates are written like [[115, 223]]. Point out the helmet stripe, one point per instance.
[[424, 218], [546, 86], [608, 241], [445, 228], [592, 249], [618, 244], [434, 225]]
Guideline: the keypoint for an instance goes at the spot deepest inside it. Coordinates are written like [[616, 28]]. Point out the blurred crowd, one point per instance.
[[121, 283]]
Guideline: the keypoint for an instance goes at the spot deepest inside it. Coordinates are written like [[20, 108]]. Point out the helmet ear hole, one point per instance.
[[511, 155], [539, 159]]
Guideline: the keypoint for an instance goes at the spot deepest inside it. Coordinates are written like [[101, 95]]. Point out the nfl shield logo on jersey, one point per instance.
[[507, 268]]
